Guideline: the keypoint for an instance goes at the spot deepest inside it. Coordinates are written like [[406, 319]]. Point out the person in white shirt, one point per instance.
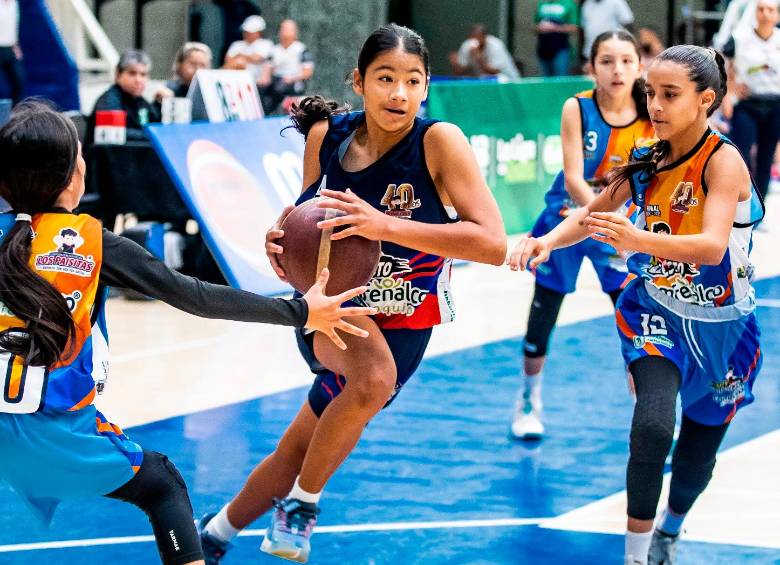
[[291, 65], [10, 52], [739, 14], [253, 51], [483, 55], [598, 16], [754, 69]]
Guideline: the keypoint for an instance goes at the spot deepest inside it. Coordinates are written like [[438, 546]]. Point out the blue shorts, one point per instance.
[[718, 359], [559, 272], [407, 346], [48, 457]]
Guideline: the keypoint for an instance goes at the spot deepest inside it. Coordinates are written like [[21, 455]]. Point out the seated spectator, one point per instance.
[[252, 52], [132, 74], [192, 57], [483, 55], [290, 67]]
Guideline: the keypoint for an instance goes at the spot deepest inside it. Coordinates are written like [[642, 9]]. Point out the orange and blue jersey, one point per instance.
[[700, 317], [672, 202], [47, 416], [604, 147], [411, 289]]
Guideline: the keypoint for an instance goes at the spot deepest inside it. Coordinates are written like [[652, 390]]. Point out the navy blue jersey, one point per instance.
[[410, 289]]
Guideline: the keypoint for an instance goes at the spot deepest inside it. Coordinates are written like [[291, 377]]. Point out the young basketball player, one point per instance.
[[397, 178], [686, 322], [599, 128], [54, 268]]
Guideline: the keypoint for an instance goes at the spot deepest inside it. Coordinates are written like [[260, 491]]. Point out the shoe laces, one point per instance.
[[295, 517]]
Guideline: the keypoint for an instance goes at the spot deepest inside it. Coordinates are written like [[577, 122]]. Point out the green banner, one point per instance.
[[514, 130]]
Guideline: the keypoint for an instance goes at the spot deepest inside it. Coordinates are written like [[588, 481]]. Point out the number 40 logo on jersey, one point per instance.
[[400, 200], [653, 331]]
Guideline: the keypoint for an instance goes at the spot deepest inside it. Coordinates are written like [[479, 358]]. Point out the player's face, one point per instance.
[[616, 66], [673, 103], [133, 79], [393, 89]]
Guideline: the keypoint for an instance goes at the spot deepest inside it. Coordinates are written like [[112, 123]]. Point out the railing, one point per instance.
[[76, 23]]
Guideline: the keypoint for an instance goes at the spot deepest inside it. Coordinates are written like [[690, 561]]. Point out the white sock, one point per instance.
[[220, 527], [302, 495], [533, 387], [637, 546]]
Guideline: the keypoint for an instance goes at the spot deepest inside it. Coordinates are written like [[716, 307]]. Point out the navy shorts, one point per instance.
[[406, 345]]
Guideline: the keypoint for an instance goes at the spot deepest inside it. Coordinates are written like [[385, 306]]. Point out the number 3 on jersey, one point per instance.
[[23, 386], [591, 140]]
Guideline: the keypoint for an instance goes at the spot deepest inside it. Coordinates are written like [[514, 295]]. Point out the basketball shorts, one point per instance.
[[49, 457], [407, 346], [718, 359], [560, 271]]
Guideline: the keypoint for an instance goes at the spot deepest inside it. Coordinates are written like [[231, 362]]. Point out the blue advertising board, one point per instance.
[[235, 177]]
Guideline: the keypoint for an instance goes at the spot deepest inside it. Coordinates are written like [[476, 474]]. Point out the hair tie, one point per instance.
[[23, 217]]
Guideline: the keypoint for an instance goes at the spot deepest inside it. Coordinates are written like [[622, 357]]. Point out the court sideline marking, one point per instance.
[[342, 529]]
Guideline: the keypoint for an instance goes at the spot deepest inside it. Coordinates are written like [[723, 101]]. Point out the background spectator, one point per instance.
[[10, 52], [555, 21], [650, 45], [132, 75], [251, 52], [739, 14], [755, 72], [291, 66], [192, 57], [483, 55], [599, 16]]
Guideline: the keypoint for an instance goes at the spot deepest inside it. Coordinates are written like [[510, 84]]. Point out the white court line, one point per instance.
[[348, 528], [768, 302]]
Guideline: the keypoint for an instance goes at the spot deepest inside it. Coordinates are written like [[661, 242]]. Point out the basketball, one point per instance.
[[308, 249]]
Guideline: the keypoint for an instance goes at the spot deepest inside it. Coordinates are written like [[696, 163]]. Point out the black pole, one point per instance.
[[670, 38], [510, 27], [139, 4]]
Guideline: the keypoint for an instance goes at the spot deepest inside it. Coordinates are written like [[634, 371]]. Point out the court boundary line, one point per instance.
[[338, 529]]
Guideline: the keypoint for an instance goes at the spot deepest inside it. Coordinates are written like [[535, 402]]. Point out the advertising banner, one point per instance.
[[514, 130], [235, 177]]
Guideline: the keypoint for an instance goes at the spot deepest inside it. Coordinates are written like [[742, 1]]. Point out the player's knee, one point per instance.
[[373, 388], [651, 439], [156, 482]]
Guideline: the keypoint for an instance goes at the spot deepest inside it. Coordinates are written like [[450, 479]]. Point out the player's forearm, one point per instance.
[[459, 240], [570, 231], [700, 248], [579, 190]]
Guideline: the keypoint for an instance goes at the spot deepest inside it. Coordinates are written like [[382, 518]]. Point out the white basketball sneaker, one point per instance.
[[527, 422]]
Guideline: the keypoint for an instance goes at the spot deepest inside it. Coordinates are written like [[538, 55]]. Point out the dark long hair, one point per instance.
[[638, 88], [707, 69], [38, 156], [313, 109]]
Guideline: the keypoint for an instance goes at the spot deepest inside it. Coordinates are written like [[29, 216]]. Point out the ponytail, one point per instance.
[[724, 78], [645, 164], [50, 328], [311, 110], [38, 154]]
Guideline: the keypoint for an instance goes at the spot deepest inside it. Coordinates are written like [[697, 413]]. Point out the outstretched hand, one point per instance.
[[613, 229], [362, 218], [527, 248], [326, 314]]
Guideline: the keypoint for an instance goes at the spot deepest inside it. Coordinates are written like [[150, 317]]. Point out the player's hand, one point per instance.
[[362, 218], [272, 249], [326, 314], [526, 248], [613, 229]]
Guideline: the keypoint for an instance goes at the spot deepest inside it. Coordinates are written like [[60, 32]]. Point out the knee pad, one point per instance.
[[541, 320], [156, 482]]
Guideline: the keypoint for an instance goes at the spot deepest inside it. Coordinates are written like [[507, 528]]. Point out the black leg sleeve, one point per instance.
[[159, 490], [545, 307], [692, 462], [656, 381]]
